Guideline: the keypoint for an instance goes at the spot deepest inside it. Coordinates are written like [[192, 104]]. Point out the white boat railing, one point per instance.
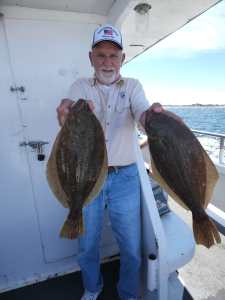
[[221, 141]]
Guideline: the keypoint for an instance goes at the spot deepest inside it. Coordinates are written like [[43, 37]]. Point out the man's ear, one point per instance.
[[123, 58], [90, 57]]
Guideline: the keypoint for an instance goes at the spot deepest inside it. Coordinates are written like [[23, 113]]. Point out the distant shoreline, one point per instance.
[[196, 105]]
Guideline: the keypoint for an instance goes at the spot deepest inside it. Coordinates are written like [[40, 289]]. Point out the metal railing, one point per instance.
[[221, 141]]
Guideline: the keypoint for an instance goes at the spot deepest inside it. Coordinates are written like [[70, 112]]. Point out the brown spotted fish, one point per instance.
[[184, 169], [77, 166]]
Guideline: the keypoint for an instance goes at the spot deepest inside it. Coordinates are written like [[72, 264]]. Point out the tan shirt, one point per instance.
[[118, 107]]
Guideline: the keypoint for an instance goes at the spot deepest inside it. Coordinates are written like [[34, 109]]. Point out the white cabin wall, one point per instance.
[[44, 52]]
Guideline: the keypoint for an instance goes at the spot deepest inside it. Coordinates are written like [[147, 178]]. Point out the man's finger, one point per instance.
[[63, 110], [91, 105], [156, 107]]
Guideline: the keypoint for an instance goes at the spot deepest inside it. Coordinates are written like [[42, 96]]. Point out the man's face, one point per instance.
[[106, 58]]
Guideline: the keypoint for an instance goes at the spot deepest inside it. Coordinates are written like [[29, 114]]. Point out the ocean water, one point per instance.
[[204, 118]]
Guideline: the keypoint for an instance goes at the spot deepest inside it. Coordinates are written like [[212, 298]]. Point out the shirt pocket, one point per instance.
[[123, 106], [123, 113]]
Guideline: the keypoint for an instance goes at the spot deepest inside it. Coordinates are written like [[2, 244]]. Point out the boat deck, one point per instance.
[[204, 275]]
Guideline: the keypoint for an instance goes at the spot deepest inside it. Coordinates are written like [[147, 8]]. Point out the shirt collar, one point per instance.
[[119, 82]]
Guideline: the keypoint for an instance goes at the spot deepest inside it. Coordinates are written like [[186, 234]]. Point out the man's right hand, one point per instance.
[[64, 108]]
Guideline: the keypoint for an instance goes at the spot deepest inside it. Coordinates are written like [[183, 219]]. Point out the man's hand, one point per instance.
[[155, 107], [64, 108], [158, 108]]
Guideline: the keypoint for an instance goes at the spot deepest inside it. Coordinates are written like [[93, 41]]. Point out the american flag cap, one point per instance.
[[107, 33]]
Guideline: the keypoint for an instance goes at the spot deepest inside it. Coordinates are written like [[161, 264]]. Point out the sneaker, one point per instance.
[[90, 296]]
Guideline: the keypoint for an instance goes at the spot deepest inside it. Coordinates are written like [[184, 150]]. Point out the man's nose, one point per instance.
[[107, 61]]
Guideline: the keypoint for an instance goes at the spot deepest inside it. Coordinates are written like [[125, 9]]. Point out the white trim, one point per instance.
[[216, 214], [32, 280], [15, 12], [152, 211], [43, 277]]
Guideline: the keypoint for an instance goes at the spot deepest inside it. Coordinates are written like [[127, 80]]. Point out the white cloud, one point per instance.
[[206, 32], [178, 96]]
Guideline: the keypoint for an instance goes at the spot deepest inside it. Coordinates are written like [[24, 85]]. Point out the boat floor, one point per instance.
[[204, 275]]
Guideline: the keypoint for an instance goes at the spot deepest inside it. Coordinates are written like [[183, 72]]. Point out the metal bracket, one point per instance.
[[36, 145]]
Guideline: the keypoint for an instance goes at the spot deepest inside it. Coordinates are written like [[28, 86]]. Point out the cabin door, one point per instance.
[[17, 212], [46, 56]]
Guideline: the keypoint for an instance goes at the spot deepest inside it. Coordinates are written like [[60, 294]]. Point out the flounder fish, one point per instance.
[[183, 168], [77, 166]]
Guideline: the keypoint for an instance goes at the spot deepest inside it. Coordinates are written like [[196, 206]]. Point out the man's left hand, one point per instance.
[[156, 107]]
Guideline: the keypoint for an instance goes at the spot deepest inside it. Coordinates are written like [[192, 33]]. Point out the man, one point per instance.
[[118, 104]]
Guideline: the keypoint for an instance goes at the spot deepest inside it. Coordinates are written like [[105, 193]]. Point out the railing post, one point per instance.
[[221, 153]]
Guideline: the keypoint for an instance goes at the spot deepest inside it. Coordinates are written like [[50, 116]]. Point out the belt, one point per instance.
[[116, 168]]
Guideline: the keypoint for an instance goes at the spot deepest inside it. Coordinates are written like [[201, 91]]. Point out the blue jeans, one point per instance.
[[121, 193]]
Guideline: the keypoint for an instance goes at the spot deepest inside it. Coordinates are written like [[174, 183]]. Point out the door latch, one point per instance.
[[38, 146], [17, 88]]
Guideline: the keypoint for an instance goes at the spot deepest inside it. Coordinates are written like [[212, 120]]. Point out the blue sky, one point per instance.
[[188, 66]]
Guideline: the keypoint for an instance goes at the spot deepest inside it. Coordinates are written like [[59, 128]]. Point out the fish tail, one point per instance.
[[72, 229], [205, 232]]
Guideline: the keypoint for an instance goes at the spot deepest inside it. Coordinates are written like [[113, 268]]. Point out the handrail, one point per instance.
[[218, 135], [209, 133], [221, 139]]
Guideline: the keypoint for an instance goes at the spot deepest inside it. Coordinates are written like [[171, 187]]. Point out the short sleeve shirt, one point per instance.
[[118, 107]]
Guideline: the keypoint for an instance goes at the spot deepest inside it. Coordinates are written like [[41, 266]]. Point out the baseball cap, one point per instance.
[[107, 33]]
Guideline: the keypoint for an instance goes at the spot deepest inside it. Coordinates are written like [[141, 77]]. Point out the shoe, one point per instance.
[[90, 296]]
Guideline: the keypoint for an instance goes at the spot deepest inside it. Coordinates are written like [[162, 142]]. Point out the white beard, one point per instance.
[[106, 77]]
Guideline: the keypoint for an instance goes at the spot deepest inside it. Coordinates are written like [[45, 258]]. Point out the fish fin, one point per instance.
[[72, 229], [205, 232], [100, 181], [212, 177], [157, 177], [52, 176]]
